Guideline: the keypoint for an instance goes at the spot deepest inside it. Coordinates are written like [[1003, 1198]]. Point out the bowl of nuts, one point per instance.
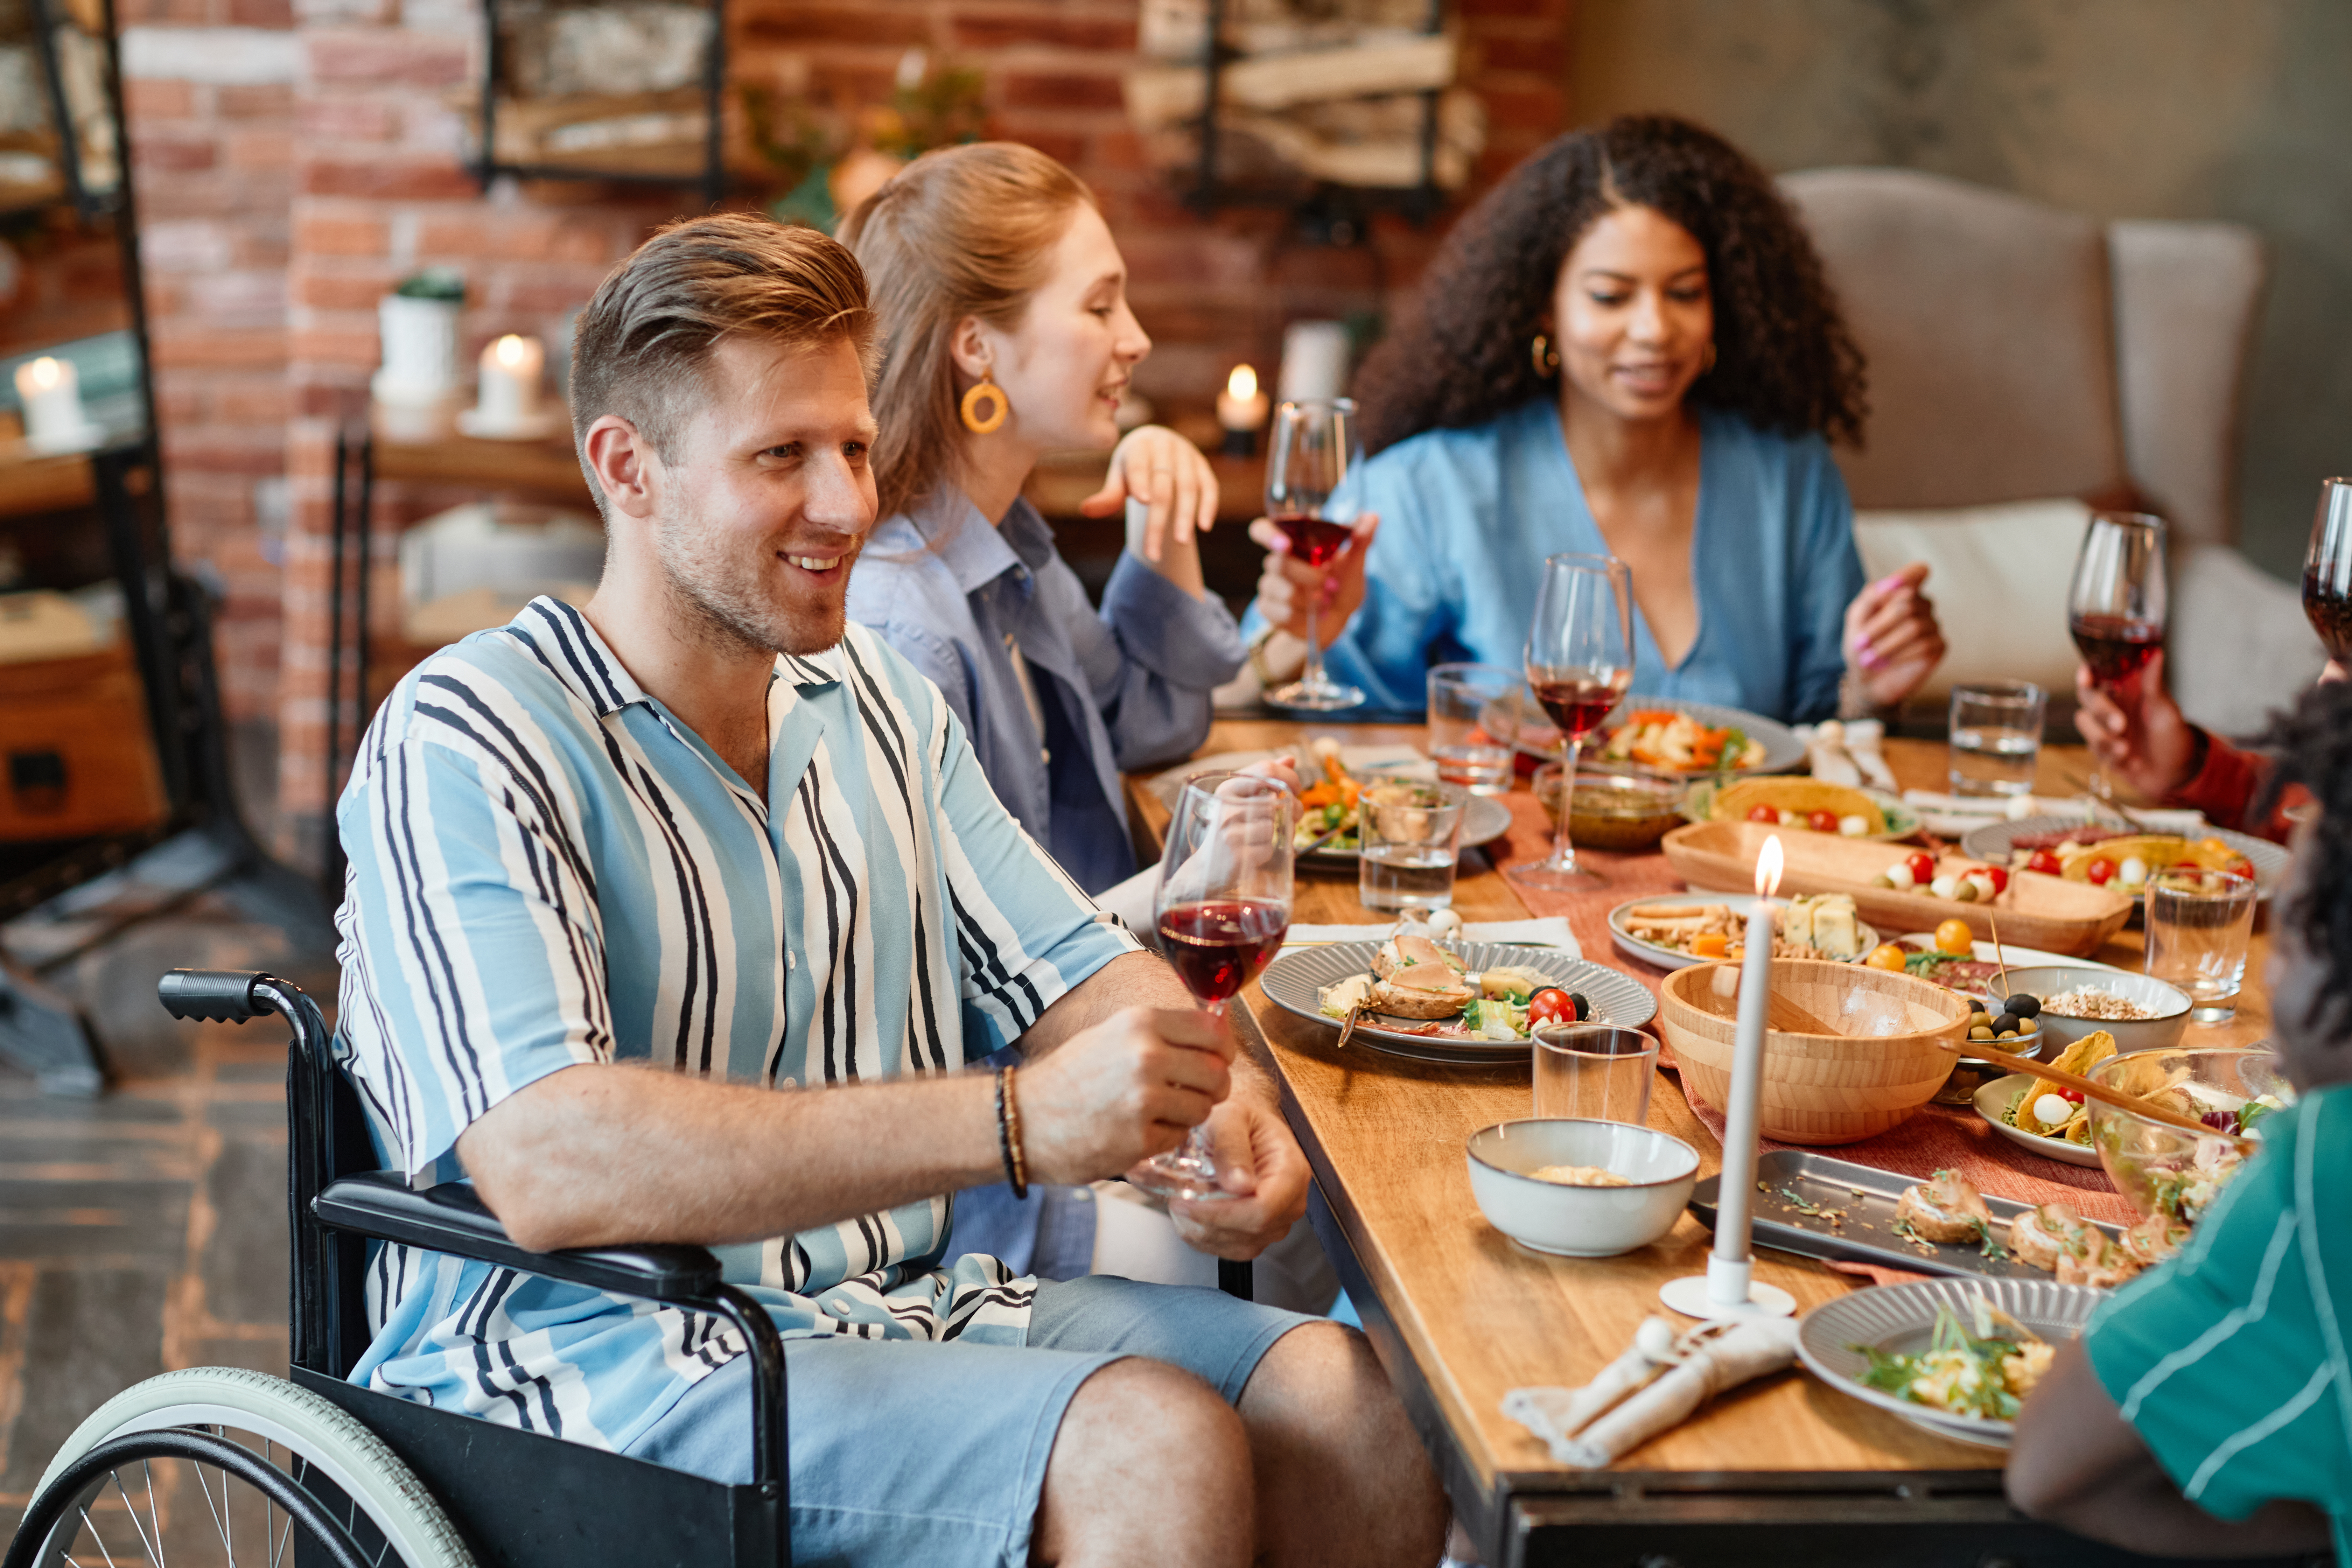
[[2068, 1001]]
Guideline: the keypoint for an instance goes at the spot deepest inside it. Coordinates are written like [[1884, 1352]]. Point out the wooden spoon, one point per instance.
[[2100, 1092], [1782, 1014]]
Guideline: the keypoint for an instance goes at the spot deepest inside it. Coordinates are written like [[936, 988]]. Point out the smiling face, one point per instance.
[[770, 496], [1064, 362], [1631, 314]]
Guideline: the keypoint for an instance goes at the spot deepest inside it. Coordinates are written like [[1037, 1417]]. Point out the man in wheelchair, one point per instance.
[[678, 917]]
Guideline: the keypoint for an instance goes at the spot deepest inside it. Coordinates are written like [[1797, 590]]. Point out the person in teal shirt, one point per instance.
[[1627, 348], [2207, 1410]]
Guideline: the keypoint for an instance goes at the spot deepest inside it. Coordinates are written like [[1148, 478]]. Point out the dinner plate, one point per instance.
[[1783, 750], [1672, 958], [1902, 819], [1483, 820], [1901, 1320], [1992, 1098], [1992, 842], [1291, 981]]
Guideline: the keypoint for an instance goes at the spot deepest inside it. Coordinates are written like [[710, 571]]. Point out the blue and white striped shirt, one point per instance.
[[547, 868]]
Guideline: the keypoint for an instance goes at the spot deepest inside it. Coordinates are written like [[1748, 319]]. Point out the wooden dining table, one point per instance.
[[1782, 1470]]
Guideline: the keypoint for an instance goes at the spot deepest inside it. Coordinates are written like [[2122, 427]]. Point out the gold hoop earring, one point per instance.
[[987, 392], [1545, 357]]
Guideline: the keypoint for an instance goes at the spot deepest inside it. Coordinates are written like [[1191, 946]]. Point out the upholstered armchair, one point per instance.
[[2026, 364]]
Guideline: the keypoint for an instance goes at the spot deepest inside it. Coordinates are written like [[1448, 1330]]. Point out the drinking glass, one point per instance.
[[1473, 724], [1222, 906], [2198, 926], [2115, 606], [1996, 737], [1410, 834], [1594, 1071], [1580, 662], [1314, 447], [2327, 570]]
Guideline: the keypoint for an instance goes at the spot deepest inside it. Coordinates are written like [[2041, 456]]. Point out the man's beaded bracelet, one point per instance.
[[1008, 1134]]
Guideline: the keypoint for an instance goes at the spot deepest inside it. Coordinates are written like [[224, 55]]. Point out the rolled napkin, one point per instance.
[[1625, 1407], [1953, 815], [1825, 746], [1862, 742]]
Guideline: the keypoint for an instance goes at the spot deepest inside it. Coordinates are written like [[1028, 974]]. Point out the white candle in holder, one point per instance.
[[509, 384], [50, 392]]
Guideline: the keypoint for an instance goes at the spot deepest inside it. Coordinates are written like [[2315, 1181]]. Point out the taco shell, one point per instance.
[[1803, 796], [2154, 850], [2078, 1058]]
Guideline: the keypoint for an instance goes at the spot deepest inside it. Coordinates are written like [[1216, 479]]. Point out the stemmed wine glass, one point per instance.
[[1580, 662], [2327, 570], [1223, 904], [1314, 447], [2116, 607]]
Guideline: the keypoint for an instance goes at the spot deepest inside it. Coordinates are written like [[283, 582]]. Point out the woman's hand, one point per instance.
[[1157, 466], [2137, 730], [1285, 587], [1892, 641]]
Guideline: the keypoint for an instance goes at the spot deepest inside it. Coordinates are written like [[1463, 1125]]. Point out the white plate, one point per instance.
[[1992, 1098], [1783, 750], [1670, 958], [1899, 1319], [1291, 981], [1992, 841]]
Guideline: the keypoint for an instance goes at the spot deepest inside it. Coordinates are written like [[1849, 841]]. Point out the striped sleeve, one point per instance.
[[2229, 1361], [471, 915]]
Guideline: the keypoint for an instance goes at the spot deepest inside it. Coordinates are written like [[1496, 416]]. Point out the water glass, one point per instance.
[[1411, 832], [2198, 923], [1597, 1072], [1996, 737], [1473, 724]]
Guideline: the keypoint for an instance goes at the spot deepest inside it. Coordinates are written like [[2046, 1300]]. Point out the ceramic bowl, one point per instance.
[[2170, 1003], [1899, 1039], [2161, 1168], [1580, 1222], [1612, 811]]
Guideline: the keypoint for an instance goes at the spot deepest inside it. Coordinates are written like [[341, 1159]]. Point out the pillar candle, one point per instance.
[[50, 391], [509, 384]]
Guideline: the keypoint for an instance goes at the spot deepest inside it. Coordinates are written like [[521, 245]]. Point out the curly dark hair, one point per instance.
[[1460, 356], [2312, 743]]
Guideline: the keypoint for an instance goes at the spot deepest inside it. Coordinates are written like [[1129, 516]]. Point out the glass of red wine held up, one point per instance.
[[1580, 662], [2327, 570], [1223, 907], [2116, 607], [1314, 447]]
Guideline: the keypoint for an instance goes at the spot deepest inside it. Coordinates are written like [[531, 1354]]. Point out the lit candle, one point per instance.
[[50, 391], [1241, 409], [509, 385]]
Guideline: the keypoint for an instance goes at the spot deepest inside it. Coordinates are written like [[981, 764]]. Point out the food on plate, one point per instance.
[[1888, 956], [1956, 938], [1663, 738], [1800, 803], [2015, 1024], [1946, 1206], [1983, 1366], [1421, 991], [1412, 977], [1824, 924], [2090, 1001], [1579, 1176], [1328, 805], [2039, 1236], [1818, 925], [2128, 859], [2050, 1110], [2099, 1263], [2155, 1239], [1402, 951]]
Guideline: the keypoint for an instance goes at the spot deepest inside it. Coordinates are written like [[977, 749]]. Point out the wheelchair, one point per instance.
[[361, 1479]]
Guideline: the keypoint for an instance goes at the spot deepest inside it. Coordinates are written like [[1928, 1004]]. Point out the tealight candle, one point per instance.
[[1241, 409], [509, 382], [50, 391]]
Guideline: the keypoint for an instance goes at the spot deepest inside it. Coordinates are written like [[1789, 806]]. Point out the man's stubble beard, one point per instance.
[[720, 603]]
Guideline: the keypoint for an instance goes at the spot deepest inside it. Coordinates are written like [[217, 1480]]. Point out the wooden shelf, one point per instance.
[[31, 485], [546, 469]]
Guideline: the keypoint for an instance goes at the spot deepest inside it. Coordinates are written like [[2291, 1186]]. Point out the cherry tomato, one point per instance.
[[1923, 868], [1885, 955], [2071, 1096], [1764, 813], [1823, 821], [1999, 875], [2190, 866], [1953, 936], [2102, 871], [2241, 867], [2045, 862], [1550, 1005]]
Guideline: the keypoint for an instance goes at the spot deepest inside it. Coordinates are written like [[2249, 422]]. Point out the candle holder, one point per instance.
[[1729, 1288]]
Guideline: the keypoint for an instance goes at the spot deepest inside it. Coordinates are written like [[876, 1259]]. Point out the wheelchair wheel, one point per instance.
[[220, 1465]]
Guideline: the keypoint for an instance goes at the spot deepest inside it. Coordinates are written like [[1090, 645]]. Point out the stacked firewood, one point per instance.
[[1329, 90]]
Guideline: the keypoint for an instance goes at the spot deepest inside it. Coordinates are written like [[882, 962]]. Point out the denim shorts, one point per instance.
[[906, 1451]]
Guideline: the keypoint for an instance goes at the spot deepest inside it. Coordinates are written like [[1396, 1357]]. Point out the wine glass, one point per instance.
[[2116, 607], [1314, 447], [1223, 904], [2327, 570], [1580, 662]]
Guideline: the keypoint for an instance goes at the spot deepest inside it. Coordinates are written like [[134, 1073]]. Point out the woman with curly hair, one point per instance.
[[1626, 348]]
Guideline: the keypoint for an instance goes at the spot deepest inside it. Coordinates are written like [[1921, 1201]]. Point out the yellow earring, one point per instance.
[[1000, 406], [1546, 359]]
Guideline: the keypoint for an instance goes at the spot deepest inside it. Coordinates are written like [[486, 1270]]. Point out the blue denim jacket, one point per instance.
[[1121, 688]]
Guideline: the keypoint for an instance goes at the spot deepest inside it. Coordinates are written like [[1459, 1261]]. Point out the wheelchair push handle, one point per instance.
[[214, 996]]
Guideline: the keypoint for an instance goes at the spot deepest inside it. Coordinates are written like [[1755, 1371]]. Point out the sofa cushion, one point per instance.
[[1999, 576]]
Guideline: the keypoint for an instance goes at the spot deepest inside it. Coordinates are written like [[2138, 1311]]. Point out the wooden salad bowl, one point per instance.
[[2033, 911], [1905, 1038]]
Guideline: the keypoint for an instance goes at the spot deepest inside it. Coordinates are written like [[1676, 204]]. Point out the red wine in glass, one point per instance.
[[2116, 647], [1313, 541], [1217, 945], [2327, 570], [1578, 704], [2330, 610]]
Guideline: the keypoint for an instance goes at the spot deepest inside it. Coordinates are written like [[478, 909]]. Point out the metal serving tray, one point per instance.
[[1865, 1200]]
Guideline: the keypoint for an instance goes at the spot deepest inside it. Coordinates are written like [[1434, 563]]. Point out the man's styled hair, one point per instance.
[[639, 348]]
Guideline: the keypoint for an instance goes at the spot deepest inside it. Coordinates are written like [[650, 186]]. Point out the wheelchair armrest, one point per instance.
[[450, 1218]]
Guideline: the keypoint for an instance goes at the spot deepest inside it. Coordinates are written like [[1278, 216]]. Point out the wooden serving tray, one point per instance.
[[2034, 910]]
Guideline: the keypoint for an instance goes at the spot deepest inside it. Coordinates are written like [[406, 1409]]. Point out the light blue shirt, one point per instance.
[[549, 869], [1467, 517], [1122, 688]]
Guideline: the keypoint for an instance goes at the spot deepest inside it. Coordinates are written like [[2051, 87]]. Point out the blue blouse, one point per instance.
[[1468, 515]]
